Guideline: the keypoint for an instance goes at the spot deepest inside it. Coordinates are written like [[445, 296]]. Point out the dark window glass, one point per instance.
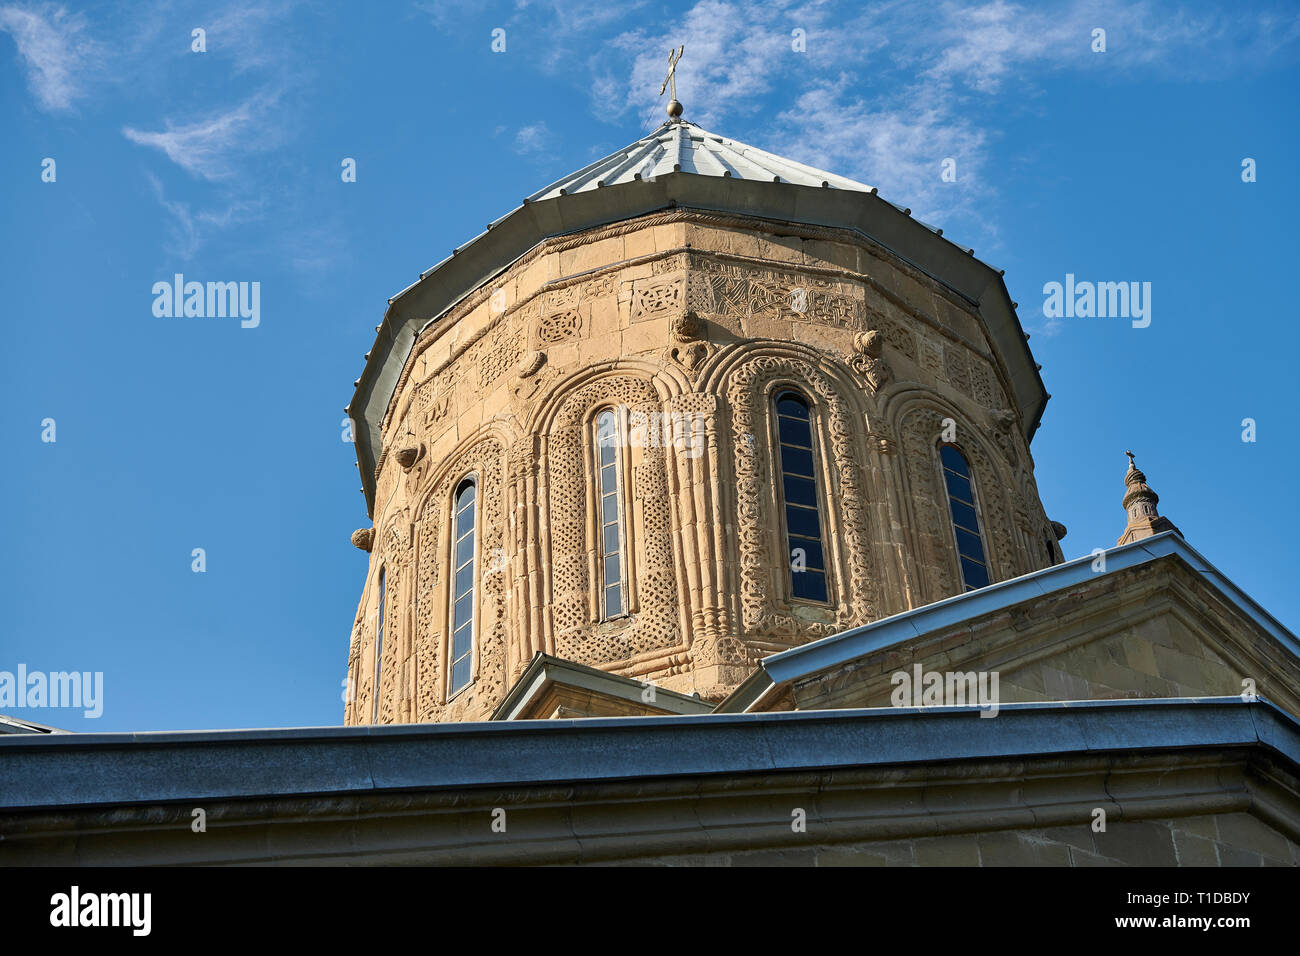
[[810, 586], [797, 461], [799, 496], [794, 432], [609, 489], [802, 522], [974, 573], [969, 546], [809, 550], [462, 596], [963, 515], [965, 521], [959, 487], [953, 460]]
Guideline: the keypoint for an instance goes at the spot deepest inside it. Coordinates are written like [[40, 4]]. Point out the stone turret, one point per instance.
[[1140, 501]]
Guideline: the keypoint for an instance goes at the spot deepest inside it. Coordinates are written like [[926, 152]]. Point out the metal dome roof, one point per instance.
[[686, 148]]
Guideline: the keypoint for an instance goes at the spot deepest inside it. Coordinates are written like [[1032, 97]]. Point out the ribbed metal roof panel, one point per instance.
[[685, 147]]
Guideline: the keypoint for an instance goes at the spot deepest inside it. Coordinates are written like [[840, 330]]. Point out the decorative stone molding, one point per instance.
[[653, 588], [854, 578], [363, 538], [432, 548], [867, 360], [922, 429]]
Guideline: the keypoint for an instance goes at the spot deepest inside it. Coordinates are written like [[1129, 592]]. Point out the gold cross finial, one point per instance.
[[670, 83]]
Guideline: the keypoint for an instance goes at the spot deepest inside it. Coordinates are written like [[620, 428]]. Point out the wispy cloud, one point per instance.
[[899, 147], [188, 230], [205, 148], [57, 50], [532, 139], [885, 92], [246, 32]]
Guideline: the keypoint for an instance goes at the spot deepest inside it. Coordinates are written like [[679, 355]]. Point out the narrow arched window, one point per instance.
[[379, 643], [800, 496], [965, 519], [462, 586], [611, 514]]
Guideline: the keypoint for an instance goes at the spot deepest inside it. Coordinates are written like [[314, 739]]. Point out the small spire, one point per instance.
[[674, 107], [1140, 501]]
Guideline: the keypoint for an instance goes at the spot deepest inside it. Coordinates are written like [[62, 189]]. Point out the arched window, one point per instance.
[[379, 643], [965, 520], [800, 495], [462, 586], [612, 514]]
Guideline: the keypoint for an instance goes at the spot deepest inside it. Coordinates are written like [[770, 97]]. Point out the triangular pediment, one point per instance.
[[1157, 628]]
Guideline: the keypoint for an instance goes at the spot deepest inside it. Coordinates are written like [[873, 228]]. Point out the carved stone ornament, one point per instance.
[[531, 364], [363, 538], [408, 456], [688, 349], [884, 437], [1005, 435], [867, 360]]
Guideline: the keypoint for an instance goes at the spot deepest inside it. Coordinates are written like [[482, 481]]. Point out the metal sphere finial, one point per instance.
[[670, 84]]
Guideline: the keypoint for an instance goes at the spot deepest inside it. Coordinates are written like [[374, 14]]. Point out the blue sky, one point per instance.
[[176, 434]]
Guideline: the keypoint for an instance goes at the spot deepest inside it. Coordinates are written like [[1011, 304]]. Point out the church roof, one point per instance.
[[683, 147], [686, 148], [954, 613], [681, 166]]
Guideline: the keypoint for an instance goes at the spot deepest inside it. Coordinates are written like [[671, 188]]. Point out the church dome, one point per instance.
[[690, 406]]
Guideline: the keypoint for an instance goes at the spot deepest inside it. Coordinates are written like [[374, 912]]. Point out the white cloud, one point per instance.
[[57, 50], [532, 139], [885, 92], [205, 148], [899, 148], [244, 33]]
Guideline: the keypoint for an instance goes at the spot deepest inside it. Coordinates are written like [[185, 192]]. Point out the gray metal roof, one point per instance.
[[686, 148], [71, 770], [683, 147]]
